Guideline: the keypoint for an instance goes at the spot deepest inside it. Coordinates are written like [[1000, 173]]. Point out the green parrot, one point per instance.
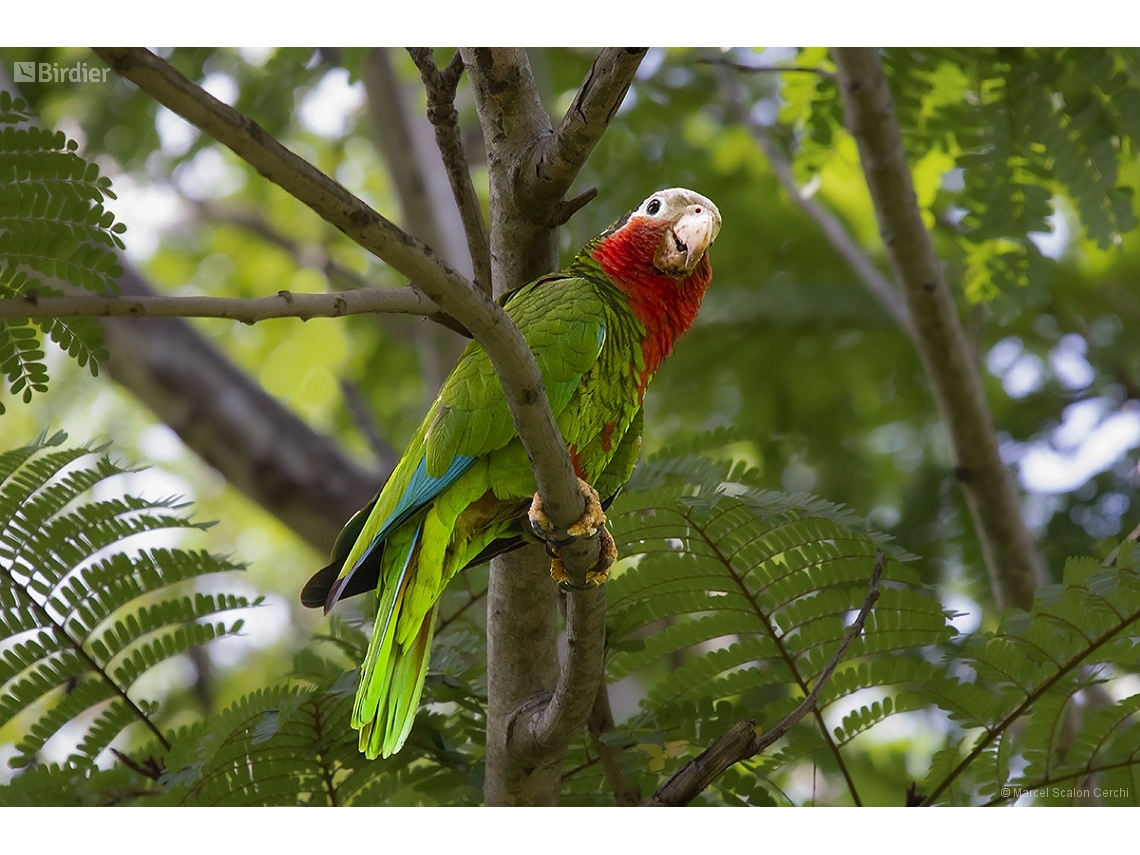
[[461, 493]]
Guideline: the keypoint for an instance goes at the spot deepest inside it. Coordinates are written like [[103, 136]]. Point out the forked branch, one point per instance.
[[440, 87], [452, 293]]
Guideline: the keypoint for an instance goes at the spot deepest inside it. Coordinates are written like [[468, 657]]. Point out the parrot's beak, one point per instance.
[[686, 243]]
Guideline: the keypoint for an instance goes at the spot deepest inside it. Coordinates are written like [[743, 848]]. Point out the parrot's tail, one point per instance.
[[394, 672]]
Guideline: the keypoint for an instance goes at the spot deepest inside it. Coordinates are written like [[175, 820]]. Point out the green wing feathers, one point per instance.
[[564, 326]]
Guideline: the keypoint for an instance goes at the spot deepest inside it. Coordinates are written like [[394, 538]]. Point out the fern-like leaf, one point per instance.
[[746, 594], [1029, 672], [52, 222], [293, 744], [78, 627]]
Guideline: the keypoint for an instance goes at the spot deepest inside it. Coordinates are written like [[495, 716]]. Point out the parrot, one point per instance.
[[464, 490]]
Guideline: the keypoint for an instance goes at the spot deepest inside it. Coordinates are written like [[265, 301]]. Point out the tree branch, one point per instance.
[[741, 741], [311, 255], [558, 158], [382, 451], [248, 310], [549, 725], [600, 722], [444, 119], [1010, 555], [232, 423], [522, 669]]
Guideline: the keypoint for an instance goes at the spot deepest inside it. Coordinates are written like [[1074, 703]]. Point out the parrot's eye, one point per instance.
[[653, 207]]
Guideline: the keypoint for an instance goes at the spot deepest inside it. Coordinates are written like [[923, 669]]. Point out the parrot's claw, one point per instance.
[[592, 522], [587, 525], [596, 575]]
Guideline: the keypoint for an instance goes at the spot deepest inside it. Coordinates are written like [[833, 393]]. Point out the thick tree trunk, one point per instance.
[[522, 668], [522, 601]]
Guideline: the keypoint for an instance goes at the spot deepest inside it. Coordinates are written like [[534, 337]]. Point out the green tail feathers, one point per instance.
[[390, 690], [395, 667]]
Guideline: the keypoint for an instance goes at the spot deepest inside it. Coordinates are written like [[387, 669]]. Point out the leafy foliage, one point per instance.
[[731, 602], [1024, 126], [52, 222], [81, 623], [745, 593], [1048, 670], [292, 744]]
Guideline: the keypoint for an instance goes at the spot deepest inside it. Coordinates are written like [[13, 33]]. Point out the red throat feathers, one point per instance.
[[665, 303]]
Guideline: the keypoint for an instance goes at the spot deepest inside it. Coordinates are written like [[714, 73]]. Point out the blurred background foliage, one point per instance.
[[823, 391]]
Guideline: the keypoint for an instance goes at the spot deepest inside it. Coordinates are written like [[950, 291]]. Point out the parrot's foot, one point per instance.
[[592, 521], [588, 524], [596, 575]]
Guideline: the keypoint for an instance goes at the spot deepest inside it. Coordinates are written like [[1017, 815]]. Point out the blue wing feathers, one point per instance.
[[403, 574], [422, 488]]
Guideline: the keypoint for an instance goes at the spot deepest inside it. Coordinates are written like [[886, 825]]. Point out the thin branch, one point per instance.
[[768, 69], [313, 256], [440, 87], [383, 452], [992, 733], [248, 310], [551, 723], [789, 659], [881, 288], [600, 722], [741, 741], [310, 255], [472, 599], [1010, 554], [565, 210]]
